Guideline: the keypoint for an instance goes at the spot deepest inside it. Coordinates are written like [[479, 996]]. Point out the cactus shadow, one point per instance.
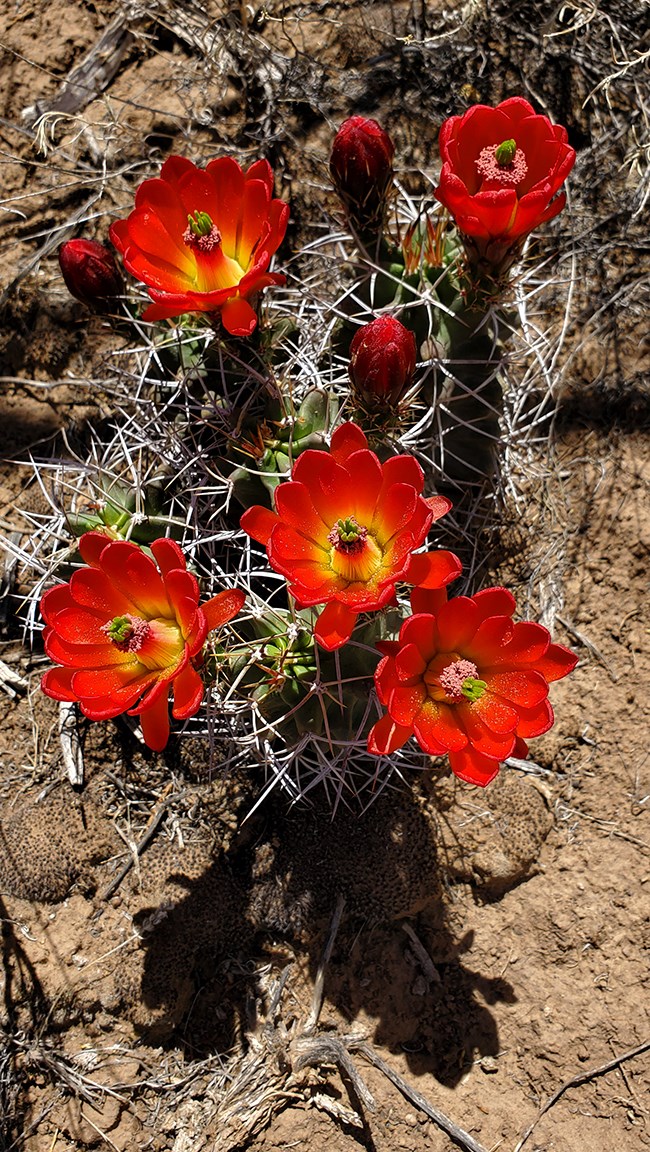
[[203, 956]]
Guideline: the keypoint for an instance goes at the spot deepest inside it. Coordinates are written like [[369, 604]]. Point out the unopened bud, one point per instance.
[[361, 166], [90, 272], [382, 361]]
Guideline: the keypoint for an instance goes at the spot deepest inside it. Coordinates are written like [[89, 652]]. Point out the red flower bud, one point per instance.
[[382, 361], [361, 166], [90, 272]]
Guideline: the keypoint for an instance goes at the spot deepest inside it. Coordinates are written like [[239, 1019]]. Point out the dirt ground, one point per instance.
[[491, 956]]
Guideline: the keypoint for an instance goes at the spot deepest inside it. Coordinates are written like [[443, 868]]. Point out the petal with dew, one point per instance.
[[405, 703], [56, 600], [296, 509], [409, 662], [499, 716], [494, 602], [457, 621], [496, 745], [77, 626], [91, 588], [535, 721], [438, 729], [520, 687], [135, 575], [223, 607], [168, 554], [427, 601], [346, 439], [556, 662], [103, 655]]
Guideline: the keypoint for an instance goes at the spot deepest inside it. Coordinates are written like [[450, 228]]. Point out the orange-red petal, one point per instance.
[[386, 736], [91, 545], [91, 588], [334, 625], [188, 691], [346, 439], [259, 522], [438, 728], [520, 687], [223, 607], [457, 622], [238, 317], [433, 569], [155, 724], [473, 767], [405, 703], [295, 508], [556, 662], [133, 574], [535, 721]]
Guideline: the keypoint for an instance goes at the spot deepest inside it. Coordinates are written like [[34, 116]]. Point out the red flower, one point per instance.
[[202, 240], [361, 167], [382, 361], [90, 272], [467, 682], [126, 630], [501, 170], [345, 529]]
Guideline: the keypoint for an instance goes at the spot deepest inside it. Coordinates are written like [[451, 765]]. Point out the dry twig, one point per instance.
[[581, 1078], [455, 1133]]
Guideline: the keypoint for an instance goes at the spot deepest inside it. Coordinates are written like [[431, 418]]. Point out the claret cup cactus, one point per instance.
[[316, 486]]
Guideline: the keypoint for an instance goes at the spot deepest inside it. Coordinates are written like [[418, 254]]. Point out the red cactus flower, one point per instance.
[[126, 629], [467, 682], [344, 531], [90, 272], [502, 168], [202, 239], [382, 361], [361, 167]]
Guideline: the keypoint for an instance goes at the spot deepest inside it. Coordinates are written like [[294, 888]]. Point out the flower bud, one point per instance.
[[361, 166], [90, 272], [382, 361]]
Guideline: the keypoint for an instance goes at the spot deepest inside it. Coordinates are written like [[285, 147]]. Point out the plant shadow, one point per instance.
[[396, 967]]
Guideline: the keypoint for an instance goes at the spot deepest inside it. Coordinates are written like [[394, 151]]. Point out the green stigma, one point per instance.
[[473, 689], [505, 153], [119, 630], [200, 224], [348, 530]]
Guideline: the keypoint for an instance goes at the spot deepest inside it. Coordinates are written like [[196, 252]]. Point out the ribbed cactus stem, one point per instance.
[[470, 343]]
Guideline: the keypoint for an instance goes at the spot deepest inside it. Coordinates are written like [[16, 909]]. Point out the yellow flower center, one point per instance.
[[157, 643], [355, 555]]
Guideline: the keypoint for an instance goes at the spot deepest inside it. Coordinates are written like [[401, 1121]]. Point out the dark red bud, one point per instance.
[[90, 272], [361, 166], [382, 361]]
